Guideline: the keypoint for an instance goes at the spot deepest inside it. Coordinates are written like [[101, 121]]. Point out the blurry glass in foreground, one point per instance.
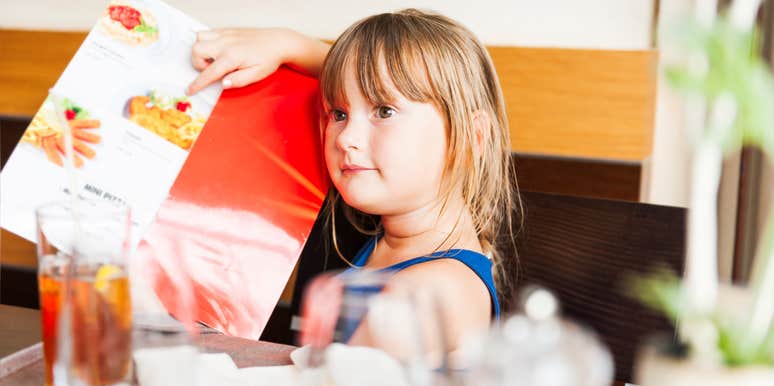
[[537, 348], [84, 292], [401, 325], [165, 350]]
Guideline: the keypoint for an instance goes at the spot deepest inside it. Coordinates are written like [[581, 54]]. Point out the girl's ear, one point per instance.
[[481, 128]]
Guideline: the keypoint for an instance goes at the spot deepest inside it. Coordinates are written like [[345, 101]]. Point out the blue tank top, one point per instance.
[[478, 263]]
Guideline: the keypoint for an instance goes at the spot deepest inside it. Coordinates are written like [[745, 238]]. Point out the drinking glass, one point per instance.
[[352, 307], [85, 300]]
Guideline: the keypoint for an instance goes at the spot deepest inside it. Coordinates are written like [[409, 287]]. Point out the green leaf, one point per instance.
[[736, 353], [145, 28], [682, 80], [735, 68], [661, 291], [80, 113]]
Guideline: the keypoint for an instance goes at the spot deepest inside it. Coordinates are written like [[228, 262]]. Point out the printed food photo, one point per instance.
[[46, 133], [172, 118], [129, 24]]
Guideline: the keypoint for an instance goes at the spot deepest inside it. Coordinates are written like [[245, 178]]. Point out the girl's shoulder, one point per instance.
[[450, 268], [440, 270], [447, 277], [464, 298]]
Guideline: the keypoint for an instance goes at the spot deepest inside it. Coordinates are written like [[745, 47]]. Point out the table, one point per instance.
[[245, 353], [21, 354], [19, 328]]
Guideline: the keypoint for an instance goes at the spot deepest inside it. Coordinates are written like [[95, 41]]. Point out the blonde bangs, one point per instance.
[[369, 49]]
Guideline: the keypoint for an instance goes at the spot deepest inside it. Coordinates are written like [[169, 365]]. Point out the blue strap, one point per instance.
[[362, 255], [477, 262]]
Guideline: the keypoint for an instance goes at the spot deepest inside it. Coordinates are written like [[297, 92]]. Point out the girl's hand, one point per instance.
[[239, 56], [243, 56]]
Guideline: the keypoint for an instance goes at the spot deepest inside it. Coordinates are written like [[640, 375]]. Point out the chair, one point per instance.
[[584, 249]]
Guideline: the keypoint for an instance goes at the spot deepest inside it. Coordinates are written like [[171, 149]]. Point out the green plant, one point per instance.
[[729, 91]]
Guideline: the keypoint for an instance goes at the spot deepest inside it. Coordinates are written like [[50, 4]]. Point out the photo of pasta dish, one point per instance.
[[129, 24]]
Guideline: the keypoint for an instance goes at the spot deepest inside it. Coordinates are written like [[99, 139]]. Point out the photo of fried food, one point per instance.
[[46, 133], [129, 24], [171, 119]]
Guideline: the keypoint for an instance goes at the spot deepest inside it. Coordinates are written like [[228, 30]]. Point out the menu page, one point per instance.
[[224, 189], [133, 125]]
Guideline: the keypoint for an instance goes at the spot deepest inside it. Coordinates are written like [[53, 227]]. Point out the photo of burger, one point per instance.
[[47, 134], [129, 24], [172, 118]]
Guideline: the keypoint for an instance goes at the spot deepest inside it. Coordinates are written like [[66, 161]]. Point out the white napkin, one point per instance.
[[357, 366], [351, 366], [267, 375], [168, 366], [344, 366]]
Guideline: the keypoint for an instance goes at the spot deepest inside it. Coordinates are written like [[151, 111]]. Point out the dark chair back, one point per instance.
[[584, 249]]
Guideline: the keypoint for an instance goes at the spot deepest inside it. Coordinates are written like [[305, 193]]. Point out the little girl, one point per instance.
[[415, 137]]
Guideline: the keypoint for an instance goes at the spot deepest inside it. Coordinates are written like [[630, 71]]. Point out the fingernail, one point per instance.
[[227, 83]]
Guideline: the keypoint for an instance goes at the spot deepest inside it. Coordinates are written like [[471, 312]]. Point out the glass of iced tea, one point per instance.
[[86, 311]]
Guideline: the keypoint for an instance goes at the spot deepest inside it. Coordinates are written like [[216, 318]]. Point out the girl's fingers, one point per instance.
[[200, 63], [216, 70], [203, 53], [207, 35], [246, 76]]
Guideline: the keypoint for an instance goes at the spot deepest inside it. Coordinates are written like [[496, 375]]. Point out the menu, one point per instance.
[[224, 186], [132, 123]]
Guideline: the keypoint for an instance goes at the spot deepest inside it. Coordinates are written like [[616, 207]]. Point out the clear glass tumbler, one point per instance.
[[84, 292]]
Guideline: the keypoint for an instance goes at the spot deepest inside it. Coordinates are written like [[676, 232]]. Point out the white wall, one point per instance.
[[670, 161], [622, 24]]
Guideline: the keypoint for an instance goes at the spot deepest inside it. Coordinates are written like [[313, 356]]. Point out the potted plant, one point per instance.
[[725, 333]]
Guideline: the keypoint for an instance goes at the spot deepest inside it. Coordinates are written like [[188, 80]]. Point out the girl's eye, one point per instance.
[[385, 112], [338, 115]]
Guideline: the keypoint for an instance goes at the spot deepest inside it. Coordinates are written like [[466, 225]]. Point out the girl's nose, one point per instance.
[[351, 136]]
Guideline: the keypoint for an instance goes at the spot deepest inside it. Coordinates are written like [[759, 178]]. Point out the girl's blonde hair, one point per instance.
[[433, 59]]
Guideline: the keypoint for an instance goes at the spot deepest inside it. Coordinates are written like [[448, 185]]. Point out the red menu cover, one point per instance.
[[225, 241]]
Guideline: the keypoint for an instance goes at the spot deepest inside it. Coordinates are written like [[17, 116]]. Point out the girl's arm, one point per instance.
[[244, 56]]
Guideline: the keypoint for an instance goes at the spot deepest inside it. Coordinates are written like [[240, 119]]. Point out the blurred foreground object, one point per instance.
[[726, 333], [538, 348]]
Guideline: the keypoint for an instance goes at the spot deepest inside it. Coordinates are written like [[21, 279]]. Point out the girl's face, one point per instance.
[[385, 159]]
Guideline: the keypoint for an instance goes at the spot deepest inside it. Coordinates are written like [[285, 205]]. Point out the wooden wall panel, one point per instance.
[[561, 102], [30, 64], [579, 103], [582, 177]]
